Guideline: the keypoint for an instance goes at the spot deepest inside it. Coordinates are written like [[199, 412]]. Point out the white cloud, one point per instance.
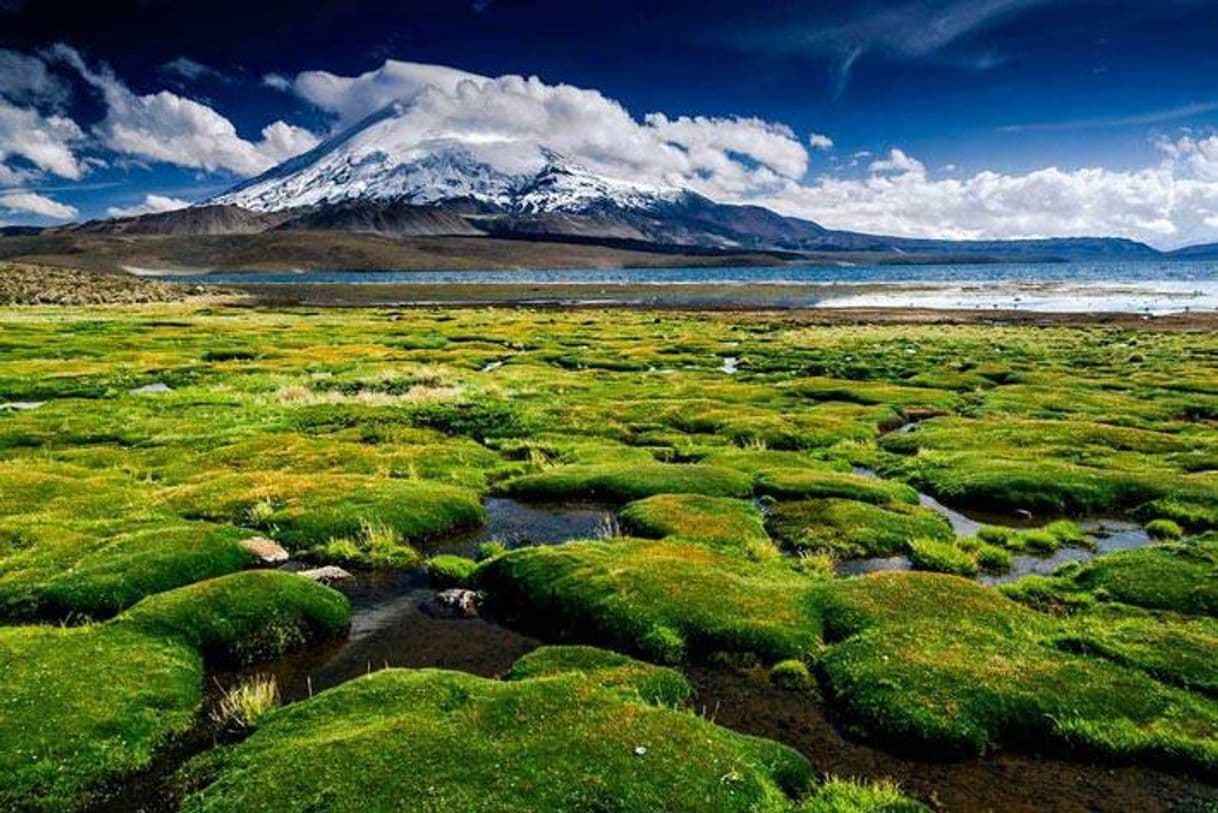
[[33, 203], [897, 163], [353, 97], [1165, 205], [167, 127], [25, 80], [186, 68], [46, 142], [281, 141], [277, 81], [507, 121], [152, 204], [820, 141], [708, 140], [1199, 156]]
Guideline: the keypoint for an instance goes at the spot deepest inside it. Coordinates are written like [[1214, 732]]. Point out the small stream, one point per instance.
[[518, 524], [1004, 782], [396, 623], [1109, 534]]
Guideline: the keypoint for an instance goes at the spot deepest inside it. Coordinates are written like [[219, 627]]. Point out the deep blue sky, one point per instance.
[[1003, 85]]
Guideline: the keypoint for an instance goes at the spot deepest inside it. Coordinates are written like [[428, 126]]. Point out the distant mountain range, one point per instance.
[[382, 179]]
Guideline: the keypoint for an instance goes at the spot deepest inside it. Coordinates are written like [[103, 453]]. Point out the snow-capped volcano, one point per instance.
[[384, 158], [432, 165]]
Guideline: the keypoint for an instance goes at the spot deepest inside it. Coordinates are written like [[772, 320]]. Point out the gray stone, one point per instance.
[[458, 602], [327, 574], [266, 551]]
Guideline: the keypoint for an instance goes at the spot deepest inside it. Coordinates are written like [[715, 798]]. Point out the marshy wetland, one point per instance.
[[731, 561]]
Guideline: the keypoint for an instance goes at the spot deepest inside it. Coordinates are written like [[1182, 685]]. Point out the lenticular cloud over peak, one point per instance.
[[509, 121]]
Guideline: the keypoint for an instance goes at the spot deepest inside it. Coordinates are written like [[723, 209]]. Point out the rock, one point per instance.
[[19, 406], [458, 602], [266, 551], [157, 386], [327, 574], [1023, 513]]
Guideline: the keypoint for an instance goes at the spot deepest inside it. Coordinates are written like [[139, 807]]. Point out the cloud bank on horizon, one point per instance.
[[509, 119]]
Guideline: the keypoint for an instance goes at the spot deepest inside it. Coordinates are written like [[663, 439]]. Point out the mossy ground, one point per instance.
[[568, 730], [84, 706], [720, 520], [363, 436], [850, 528]]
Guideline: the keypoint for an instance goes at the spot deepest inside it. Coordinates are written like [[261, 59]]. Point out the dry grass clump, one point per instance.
[[41, 285], [245, 704], [418, 394]]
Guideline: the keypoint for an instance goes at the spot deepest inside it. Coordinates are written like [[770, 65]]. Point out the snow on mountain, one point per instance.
[[386, 158]]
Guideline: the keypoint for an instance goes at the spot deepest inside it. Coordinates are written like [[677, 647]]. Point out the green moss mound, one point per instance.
[[664, 599], [1049, 486], [447, 570], [936, 661], [942, 557], [623, 483], [134, 565], [307, 510], [1173, 649], [720, 520], [449, 738], [1164, 529], [569, 731], [84, 706], [791, 674], [841, 796], [849, 528], [245, 616], [1181, 577], [803, 484], [654, 684], [1194, 514], [1036, 541]]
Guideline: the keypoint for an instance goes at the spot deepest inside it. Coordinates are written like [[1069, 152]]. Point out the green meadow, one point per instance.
[[140, 447]]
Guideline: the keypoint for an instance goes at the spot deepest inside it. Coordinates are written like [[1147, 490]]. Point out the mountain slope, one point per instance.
[[385, 176], [204, 219]]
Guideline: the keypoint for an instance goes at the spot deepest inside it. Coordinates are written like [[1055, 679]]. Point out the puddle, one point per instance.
[[393, 624], [1109, 535], [518, 524], [962, 525], [730, 365], [493, 365], [1011, 783], [861, 567], [155, 387]]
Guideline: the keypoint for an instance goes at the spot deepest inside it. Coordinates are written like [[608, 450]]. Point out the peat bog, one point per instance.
[[694, 495]]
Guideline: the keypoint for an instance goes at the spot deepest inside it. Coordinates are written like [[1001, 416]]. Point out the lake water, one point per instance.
[[1146, 287]]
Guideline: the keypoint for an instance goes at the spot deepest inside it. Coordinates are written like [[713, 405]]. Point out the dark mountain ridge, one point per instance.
[[689, 222]]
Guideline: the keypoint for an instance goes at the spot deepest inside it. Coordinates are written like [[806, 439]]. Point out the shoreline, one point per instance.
[[826, 298]]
